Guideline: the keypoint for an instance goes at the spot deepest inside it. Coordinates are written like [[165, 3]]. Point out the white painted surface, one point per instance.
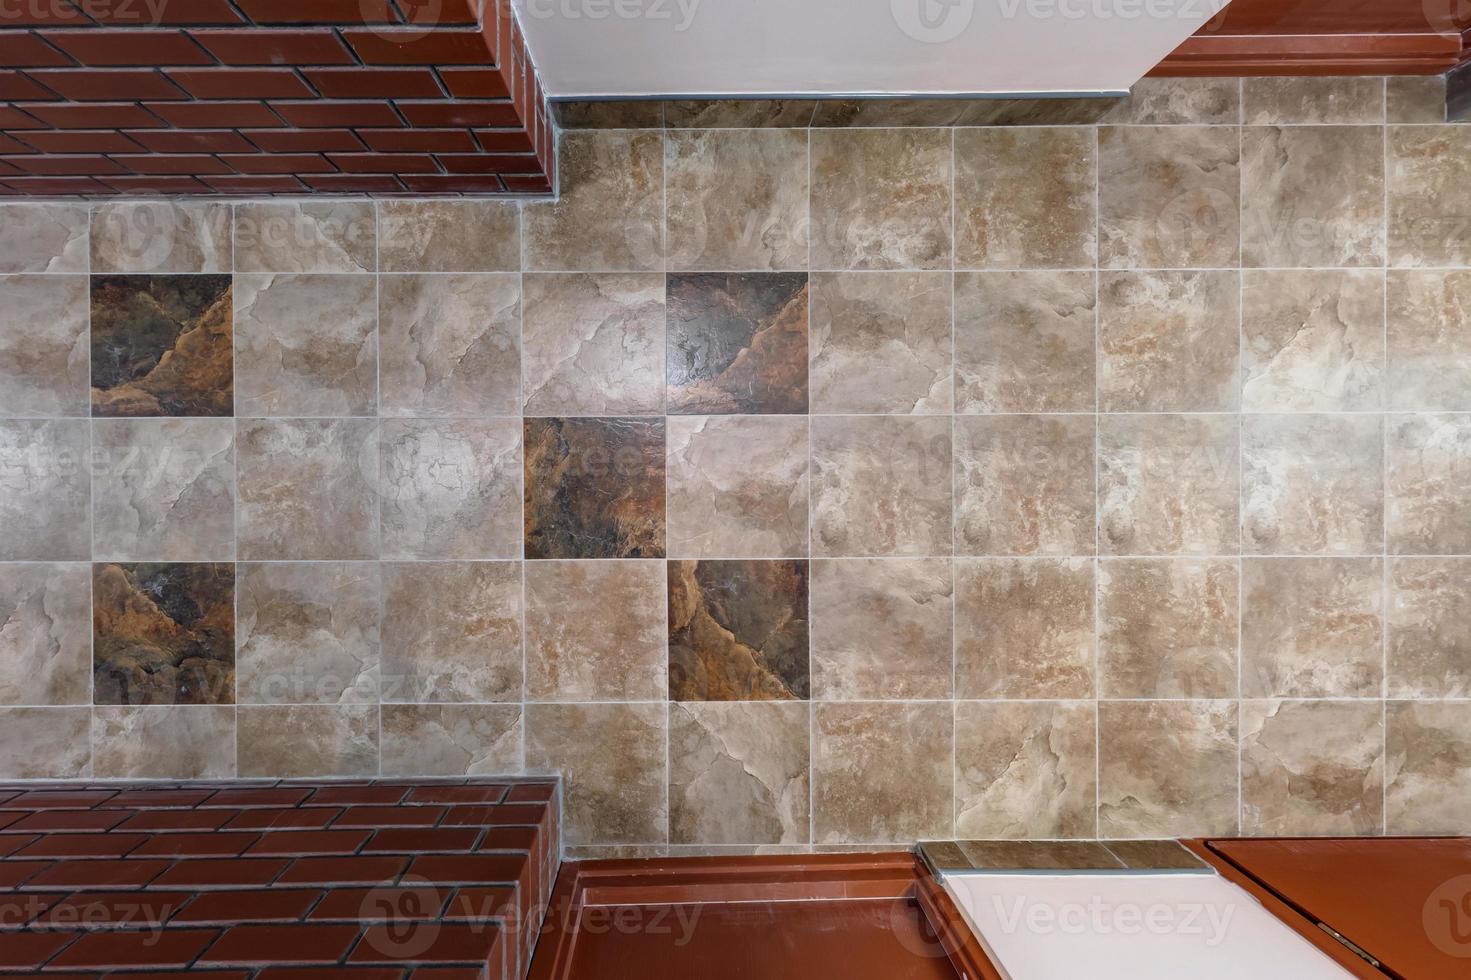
[[1132, 927], [774, 47]]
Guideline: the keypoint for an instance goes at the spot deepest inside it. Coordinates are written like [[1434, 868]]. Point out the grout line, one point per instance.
[[1097, 487]]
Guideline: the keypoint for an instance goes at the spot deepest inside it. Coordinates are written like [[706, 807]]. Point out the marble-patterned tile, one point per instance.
[[301, 741], [452, 632], [881, 486], [737, 343], [451, 739], [163, 633], [1312, 340], [881, 772], [1428, 653], [1168, 484], [161, 236], [1428, 461], [1429, 194], [1427, 763], [307, 489], [306, 345], [1168, 341], [43, 345], [449, 344], [1040, 855], [594, 488], [881, 199], [449, 236], [46, 636], [1312, 768], [738, 113], [1024, 198], [906, 113], [43, 237], [1415, 99], [1429, 344], [45, 743], [1312, 484], [736, 199], [307, 632], [305, 236], [1315, 99], [1180, 101], [609, 217], [1024, 628], [1167, 768], [1036, 112], [1024, 341], [451, 488], [738, 773], [881, 343], [596, 631], [1168, 197], [163, 489], [1167, 628], [1291, 216], [1312, 627], [738, 631], [163, 742], [1025, 769], [882, 628], [610, 114], [614, 766], [1024, 485], [737, 487], [593, 343], [161, 345], [45, 490]]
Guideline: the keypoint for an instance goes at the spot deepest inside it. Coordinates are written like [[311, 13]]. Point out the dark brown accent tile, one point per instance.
[[738, 113], [1156, 855], [1023, 855]]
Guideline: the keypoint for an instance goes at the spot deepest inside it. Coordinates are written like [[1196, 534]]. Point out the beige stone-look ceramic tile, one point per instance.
[[451, 739], [1167, 768], [736, 199], [1155, 855], [880, 343], [613, 761], [1429, 343], [1312, 340], [451, 488], [1427, 766], [307, 632], [1318, 99], [1291, 216], [1168, 484], [450, 344], [1025, 769], [306, 740], [45, 743], [881, 628], [161, 236], [1312, 627], [43, 345], [306, 345], [449, 236], [1428, 653], [738, 773], [45, 490], [881, 199], [737, 486], [594, 344], [609, 217], [1024, 198], [738, 113], [1168, 341], [45, 633], [1024, 485], [163, 489], [1168, 197], [880, 486], [1312, 484], [452, 632], [307, 489], [1167, 628], [1415, 99], [1312, 768], [1429, 195], [43, 237], [881, 772], [1024, 341], [1179, 101], [1428, 461], [305, 236], [163, 742], [1024, 628], [595, 631]]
